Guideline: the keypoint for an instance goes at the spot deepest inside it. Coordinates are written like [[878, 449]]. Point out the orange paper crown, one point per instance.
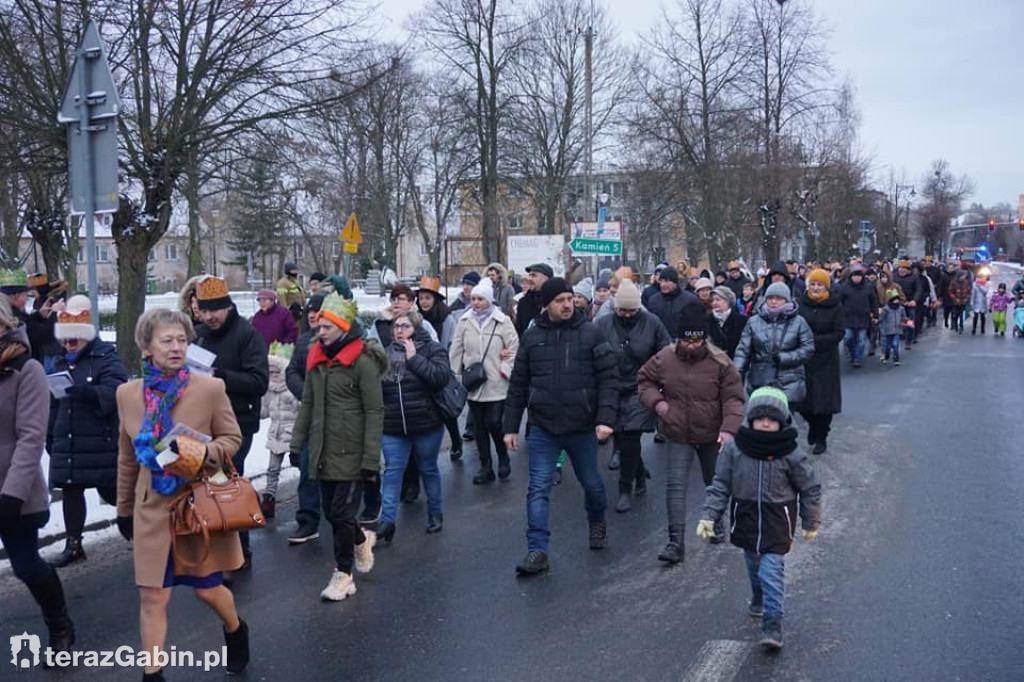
[[210, 288], [38, 280], [66, 317]]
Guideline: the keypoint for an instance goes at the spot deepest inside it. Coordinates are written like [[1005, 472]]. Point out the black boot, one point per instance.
[[485, 475], [49, 594], [598, 535], [158, 676], [238, 648], [674, 551], [615, 462], [771, 633], [504, 468], [386, 531], [434, 523], [641, 483], [73, 552]]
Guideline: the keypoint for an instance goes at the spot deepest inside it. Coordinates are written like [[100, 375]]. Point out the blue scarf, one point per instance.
[[160, 391], [72, 358]]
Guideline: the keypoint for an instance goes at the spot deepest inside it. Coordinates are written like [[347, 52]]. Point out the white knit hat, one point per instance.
[[485, 289], [75, 321]]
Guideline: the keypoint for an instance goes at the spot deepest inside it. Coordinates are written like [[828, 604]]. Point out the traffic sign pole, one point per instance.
[[89, 205]]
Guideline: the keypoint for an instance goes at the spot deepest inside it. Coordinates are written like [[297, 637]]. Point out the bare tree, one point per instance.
[[944, 194], [196, 75], [480, 41]]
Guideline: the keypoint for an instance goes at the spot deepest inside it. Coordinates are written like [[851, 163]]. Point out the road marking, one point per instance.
[[718, 660]]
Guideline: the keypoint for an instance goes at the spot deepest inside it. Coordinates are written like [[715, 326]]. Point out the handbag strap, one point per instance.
[[487, 349]]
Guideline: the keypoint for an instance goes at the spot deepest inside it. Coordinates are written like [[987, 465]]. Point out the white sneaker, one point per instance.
[[341, 586], [364, 552]]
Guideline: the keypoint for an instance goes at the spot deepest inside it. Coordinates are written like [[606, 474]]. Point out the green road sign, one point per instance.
[[597, 247]]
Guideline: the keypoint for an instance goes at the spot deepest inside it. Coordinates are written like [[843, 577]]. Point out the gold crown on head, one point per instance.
[[38, 280], [210, 288], [83, 317]]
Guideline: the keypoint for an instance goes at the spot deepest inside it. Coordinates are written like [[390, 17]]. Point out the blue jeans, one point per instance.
[[308, 513], [855, 340], [767, 573], [581, 446], [891, 347], [397, 451]]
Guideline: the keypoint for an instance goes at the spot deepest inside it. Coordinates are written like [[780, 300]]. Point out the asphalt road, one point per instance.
[[914, 576]]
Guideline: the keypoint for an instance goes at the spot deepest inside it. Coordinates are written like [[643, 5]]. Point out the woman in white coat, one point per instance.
[[486, 335]]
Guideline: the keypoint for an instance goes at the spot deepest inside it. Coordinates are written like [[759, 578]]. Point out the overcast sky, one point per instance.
[[934, 79]]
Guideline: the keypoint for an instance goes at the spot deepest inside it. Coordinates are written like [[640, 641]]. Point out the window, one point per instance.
[[300, 251], [335, 249], [515, 223], [152, 255], [102, 253], [423, 247], [170, 251]]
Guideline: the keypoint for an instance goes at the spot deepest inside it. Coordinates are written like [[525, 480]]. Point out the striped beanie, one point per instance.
[[770, 402], [339, 311]]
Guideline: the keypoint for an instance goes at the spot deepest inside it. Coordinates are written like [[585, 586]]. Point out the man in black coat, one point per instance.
[[241, 363], [735, 279], [565, 374], [860, 305], [669, 302], [530, 305], [914, 293], [307, 516]]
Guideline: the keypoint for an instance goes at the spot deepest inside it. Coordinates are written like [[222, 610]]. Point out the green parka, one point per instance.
[[342, 413]]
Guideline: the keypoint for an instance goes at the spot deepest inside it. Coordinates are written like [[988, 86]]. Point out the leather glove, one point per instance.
[[10, 512], [126, 526], [83, 392], [808, 534], [368, 475], [661, 408], [295, 459], [706, 529]]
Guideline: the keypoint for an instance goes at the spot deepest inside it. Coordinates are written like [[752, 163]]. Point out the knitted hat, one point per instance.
[[484, 289], [542, 268], [340, 285], [431, 284], [585, 288], [819, 276], [770, 402], [659, 267], [780, 289], [669, 274], [13, 282], [471, 278], [212, 293], [726, 294], [338, 310], [628, 296], [602, 283], [266, 293], [317, 277], [693, 321], [315, 302], [552, 289], [75, 321], [291, 269], [703, 283], [891, 294]]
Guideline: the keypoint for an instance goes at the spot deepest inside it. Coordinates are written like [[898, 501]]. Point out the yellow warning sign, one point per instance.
[[351, 247], [351, 232]]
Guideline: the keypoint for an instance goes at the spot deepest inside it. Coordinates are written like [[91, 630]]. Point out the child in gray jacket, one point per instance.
[[890, 327], [764, 478]]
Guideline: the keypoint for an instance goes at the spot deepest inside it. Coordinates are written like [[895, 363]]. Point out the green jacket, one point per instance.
[[342, 413]]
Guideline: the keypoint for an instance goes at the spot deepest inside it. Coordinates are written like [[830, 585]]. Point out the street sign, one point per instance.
[[864, 244], [351, 232], [350, 247], [90, 106], [611, 230], [596, 247]]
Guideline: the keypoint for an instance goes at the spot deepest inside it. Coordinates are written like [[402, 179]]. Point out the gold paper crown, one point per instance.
[[66, 317], [211, 288], [38, 280]]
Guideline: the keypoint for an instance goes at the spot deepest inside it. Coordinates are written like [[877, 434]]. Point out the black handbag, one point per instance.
[[452, 398], [475, 376]]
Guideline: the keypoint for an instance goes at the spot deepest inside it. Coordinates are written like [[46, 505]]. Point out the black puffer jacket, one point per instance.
[[633, 347], [242, 364], [565, 374], [913, 286], [822, 374], [84, 428], [295, 373], [669, 309], [409, 406], [860, 303], [527, 310]]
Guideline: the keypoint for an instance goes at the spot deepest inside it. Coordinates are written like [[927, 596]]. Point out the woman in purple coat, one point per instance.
[[273, 320]]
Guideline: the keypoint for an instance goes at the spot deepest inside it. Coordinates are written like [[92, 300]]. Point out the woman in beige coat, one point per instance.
[[170, 394], [485, 334]]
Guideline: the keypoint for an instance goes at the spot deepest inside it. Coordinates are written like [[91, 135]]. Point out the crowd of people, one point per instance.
[[714, 366]]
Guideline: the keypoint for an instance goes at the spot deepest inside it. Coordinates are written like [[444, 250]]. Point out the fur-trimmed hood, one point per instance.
[[502, 272]]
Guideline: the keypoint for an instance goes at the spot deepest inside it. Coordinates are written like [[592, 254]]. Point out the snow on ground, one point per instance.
[[51, 535]]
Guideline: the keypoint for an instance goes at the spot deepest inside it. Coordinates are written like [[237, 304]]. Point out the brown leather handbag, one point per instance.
[[204, 507]]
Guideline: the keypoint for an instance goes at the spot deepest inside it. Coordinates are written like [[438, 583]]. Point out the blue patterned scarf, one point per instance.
[[160, 391]]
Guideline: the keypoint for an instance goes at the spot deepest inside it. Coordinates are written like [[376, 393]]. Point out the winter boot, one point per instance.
[[504, 468], [756, 608], [674, 551], [267, 506], [435, 522], [623, 505], [641, 483], [485, 475], [238, 648], [534, 563], [49, 594], [73, 552], [598, 535], [771, 633]]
